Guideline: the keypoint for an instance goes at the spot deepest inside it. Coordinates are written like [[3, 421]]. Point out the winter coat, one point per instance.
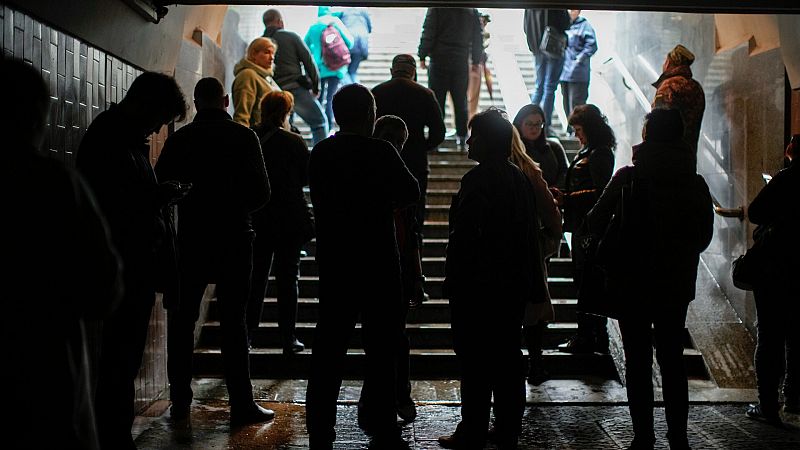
[[676, 89], [251, 83], [451, 36], [418, 108], [313, 40], [292, 59], [587, 176], [581, 45], [669, 222], [535, 21], [359, 24]]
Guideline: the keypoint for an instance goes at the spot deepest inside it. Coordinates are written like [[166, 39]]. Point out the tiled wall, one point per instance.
[[83, 81]]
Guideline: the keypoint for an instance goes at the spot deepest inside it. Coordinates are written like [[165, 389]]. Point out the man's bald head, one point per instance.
[[272, 18]]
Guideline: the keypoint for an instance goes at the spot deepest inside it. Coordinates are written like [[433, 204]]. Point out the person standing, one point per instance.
[[60, 273], [296, 72], [776, 208], [548, 153], [252, 81], [477, 71], [494, 267], [451, 37], [358, 21], [284, 224], [416, 105], [222, 161], [669, 221], [331, 76], [113, 157], [581, 45], [548, 67], [676, 89], [338, 169]]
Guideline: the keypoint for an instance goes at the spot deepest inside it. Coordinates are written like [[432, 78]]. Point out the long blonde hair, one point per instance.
[[521, 159]]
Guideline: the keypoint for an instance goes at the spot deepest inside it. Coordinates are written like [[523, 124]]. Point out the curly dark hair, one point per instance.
[[595, 126]]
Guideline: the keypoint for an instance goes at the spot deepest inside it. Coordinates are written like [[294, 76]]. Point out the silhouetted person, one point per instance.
[[576, 74], [252, 80], [676, 89], [296, 72], [114, 158], [60, 272], [222, 161], [548, 67], [494, 267], [349, 222], [284, 224], [451, 37], [402, 96], [668, 222], [587, 176], [778, 346], [392, 129]]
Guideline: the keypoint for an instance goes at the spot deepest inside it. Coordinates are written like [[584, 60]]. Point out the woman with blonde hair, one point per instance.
[[253, 80], [284, 224], [537, 315]]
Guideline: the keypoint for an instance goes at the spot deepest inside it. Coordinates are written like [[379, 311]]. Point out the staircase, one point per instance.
[[428, 327]]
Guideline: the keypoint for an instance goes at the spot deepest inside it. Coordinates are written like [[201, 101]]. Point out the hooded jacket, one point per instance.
[[313, 40], [251, 83], [581, 45]]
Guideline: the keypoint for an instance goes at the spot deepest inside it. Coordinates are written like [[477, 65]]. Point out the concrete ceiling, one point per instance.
[[698, 6]]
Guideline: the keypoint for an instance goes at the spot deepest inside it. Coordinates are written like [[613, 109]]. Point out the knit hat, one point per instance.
[[681, 56], [404, 64]]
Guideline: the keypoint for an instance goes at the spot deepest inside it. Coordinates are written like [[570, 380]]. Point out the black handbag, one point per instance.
[[554, 42], [748, 269]]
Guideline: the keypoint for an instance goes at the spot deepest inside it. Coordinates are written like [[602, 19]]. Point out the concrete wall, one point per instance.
[[743, 126]]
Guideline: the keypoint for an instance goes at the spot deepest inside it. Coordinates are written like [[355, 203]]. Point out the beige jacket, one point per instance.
[[251, 83]]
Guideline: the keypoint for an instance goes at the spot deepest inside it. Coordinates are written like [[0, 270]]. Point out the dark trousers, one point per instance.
[[491, 366], [422, 180], [664, 328], [590, 327], [328, 87], [573, 94], [230, 268], [282, 256], [451, 76], [778, 348], [124, 340], [341, 302]]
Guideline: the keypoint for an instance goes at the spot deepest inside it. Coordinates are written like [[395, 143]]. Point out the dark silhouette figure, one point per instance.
[[222, 161], [114, 158], [416, 105], [350, 220], [296, 72], [452, 37], [548, 67], [776, 209], [392, 129], [494, 266], [588, 174], [547, 152], [284, 224], [60, 274], [668, 222]]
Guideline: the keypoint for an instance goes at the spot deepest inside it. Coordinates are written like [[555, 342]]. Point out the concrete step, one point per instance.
[[435, 243], [426, 364], [440, 196]]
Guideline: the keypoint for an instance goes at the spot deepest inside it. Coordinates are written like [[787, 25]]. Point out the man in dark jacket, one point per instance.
[[114, 158], [339, 167], [453, 39], [222, 162], [494, 266], [296, 72], [403, 97], [669, 221], [548, 67]]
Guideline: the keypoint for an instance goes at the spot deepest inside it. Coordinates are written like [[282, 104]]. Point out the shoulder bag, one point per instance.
[[554, 41], [750, 268]]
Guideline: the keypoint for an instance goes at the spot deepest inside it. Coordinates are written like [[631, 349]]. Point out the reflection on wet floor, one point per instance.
[[561, 414]]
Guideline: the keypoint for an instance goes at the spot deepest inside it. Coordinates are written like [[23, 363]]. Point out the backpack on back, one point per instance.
[[335, 53]]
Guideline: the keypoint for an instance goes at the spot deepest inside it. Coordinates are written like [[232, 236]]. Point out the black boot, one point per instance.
[[534, 335]]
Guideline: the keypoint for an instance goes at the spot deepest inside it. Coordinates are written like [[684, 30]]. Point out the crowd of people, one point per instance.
[[243, 215]]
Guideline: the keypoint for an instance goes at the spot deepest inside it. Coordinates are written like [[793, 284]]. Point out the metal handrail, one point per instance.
[[737, 213]]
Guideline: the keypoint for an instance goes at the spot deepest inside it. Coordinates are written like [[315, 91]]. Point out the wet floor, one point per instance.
[[561, 414]]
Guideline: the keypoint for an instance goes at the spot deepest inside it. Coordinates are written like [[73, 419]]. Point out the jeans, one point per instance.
[[328, 88], [548, 72], [451, 77], [574, 93], [664, 325], [352, 69], [778, 347], [309, 109]]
